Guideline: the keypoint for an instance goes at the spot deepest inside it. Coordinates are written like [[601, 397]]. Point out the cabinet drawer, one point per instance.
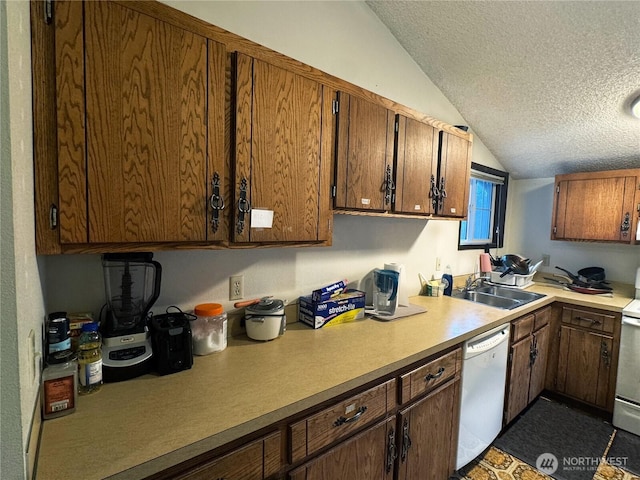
[[340, 420], [543, 316], [254, 461], [522, 327], [426, 378], [596, 321]]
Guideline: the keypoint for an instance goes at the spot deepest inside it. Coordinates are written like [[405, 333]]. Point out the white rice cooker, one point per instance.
[[265, 320]]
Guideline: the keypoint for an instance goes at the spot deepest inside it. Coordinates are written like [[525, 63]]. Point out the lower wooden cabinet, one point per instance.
[[256, 460], [585, 360], [428, 435], [527, 361], [367, 456]]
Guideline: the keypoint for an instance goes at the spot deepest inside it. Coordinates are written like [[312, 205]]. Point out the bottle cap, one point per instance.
[[208, 309], [90, 327], [61, 356]]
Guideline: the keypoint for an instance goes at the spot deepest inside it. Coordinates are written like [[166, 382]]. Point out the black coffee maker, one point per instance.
[[132, 283]]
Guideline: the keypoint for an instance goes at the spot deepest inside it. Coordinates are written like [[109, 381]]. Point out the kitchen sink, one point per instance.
[[496, 296]]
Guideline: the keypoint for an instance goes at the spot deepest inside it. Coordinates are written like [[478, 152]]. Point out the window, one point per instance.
[[484, 227]]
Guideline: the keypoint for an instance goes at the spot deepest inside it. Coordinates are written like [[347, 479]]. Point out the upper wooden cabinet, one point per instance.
[[136, 99], [416, 167], [154, 130], [453, 174], [597, 206], [364, 154], [283, 155]]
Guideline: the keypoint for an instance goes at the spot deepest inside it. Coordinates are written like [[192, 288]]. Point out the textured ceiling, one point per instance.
[[546, 85]]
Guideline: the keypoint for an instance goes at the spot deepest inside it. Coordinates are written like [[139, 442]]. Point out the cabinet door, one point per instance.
[[278, 154], [595, 208], [519, 377], [540, 352], [428, 435], [145, 123], [367, 456], [416, 166], [253, 461], [584, 365], [455, 168], [364, 154]]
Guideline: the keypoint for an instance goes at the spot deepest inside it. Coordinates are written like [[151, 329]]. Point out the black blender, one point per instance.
[[132, 283]]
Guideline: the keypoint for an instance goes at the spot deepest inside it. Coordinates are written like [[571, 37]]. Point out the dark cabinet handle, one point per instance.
[[244, 206], [353, 418], [216, 202], [604, 353], [433, 376], [392, 451], [592, 320], [626, 225], [434, 193], [406, 441], [443, 194], [389, 186]]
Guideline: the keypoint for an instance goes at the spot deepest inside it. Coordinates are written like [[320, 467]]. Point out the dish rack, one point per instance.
[[512, 279]]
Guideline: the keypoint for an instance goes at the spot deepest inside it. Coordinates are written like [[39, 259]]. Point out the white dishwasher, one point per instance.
[[484, 373]]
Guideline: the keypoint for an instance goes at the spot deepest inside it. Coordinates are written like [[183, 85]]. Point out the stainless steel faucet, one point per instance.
[[472, 280]]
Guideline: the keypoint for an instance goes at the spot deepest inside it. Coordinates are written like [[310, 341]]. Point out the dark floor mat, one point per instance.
[[577, 440], [625, 452]]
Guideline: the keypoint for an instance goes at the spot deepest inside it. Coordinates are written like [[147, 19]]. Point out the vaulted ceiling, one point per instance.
[[546, 85]]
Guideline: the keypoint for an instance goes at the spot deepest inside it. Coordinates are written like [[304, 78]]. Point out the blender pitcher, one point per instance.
[[385, 291]]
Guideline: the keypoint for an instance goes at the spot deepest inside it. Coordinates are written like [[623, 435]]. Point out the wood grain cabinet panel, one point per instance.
[[428, 435], [454, 172], [597, 206], [340, 420], [255, 461], [416, 167], [588, 354], [279, 159], [135, 99], [367, 456], [528, 357], [364, 163], [436, 372]]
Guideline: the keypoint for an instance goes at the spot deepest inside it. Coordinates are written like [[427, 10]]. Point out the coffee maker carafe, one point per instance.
[[132, 284]]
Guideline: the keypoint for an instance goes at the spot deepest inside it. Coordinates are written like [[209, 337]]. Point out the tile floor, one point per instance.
[[495, 464]]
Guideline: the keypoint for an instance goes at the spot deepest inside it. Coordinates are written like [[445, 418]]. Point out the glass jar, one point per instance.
[[59, 384], [209, 329], [90, 359]]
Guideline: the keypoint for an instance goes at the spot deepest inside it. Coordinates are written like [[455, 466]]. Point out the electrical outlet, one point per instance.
[[31, 354], [438, 264], [236, 287], [546, 259]]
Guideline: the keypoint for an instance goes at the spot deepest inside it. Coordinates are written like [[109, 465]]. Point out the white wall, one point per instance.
[[344, 39], [529, 233], [22, 302]]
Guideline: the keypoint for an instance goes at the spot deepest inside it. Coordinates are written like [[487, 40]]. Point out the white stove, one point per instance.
[[626, 408]]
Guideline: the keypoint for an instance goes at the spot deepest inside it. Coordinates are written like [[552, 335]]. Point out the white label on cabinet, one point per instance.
[[261, 218], [350, 408], [417, 207], [365, 201], [453, 210]]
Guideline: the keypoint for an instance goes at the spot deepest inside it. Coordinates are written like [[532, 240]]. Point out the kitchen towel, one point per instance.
[[551, 432]]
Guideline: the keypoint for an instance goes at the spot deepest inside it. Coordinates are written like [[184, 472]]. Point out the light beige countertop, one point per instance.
[[133, 429]]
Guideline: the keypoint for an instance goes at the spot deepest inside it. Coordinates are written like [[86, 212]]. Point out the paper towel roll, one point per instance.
[[485, 263]]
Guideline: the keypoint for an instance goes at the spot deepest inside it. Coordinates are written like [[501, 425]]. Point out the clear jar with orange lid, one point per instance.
[[209, 329]]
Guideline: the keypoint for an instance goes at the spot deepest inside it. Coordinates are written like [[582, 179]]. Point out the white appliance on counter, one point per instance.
[[484, 375], [626, 408]]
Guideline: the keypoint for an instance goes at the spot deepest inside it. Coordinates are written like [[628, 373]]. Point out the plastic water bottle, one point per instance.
[[89, 359]]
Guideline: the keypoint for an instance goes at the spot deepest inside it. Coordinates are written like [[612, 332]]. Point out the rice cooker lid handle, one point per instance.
[[267, 305]]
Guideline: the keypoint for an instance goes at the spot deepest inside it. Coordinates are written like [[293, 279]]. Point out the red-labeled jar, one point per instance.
[[59, 384]]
